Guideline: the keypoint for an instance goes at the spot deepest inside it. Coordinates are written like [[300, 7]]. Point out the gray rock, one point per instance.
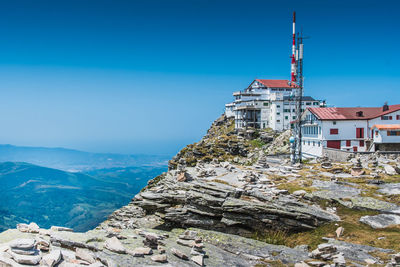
[[390, 189], [22, 244], [179, 254], [381, 220], [142, 251], [355, 252], [59, 228], [159, 258]]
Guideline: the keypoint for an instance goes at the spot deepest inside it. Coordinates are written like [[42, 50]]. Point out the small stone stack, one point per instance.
[[190, 239], [24, 251], [327, 252], [262, 163]]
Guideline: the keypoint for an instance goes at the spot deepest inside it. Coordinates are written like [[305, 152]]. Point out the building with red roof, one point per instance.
[[267, 104], [355, 129]]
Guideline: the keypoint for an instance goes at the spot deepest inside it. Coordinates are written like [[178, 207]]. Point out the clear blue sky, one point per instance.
[[150, 76]]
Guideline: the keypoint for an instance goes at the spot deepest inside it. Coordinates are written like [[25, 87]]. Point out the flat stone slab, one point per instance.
[[381, 221], [390, 189], [335, 190]]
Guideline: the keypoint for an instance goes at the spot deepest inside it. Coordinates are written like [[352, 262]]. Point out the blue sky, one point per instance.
[[150, 76]]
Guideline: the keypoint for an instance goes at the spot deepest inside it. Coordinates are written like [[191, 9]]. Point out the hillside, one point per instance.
[[228, 201], [49, 196]]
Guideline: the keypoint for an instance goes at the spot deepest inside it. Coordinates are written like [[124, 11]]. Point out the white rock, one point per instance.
[[389, 170], [84, 255], [52, 258], [339, 231], [25, 259], [22, 243], [33, 228], [198, 259], [113, 244], [369, 261], [60, 228]]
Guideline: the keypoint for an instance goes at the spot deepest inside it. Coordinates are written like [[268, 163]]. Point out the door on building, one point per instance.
[[333, 144]]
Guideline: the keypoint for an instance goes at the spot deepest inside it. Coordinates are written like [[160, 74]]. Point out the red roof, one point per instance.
[[351, 113], [277, 83]]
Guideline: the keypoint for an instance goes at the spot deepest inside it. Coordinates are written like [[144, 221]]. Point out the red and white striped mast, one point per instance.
[[293, 64]]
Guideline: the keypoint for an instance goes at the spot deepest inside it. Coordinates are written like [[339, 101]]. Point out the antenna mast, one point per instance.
[[298, 79], [293, 63]]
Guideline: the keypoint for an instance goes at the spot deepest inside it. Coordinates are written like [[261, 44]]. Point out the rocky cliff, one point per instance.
[[229, 200]]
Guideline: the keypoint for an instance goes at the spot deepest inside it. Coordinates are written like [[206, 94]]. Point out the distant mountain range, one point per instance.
[[54, 197], [75, 160]]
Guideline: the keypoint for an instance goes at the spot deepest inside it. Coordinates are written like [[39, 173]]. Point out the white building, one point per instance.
[[350, 129], [267, 104]]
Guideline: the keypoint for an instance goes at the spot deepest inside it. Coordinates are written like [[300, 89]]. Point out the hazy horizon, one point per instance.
[[149, 77]]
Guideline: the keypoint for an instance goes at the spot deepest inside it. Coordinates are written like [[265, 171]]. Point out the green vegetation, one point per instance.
[[275, 237], [354, 232], [257, 143]]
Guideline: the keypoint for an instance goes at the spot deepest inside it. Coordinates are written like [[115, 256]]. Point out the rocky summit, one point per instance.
[[233, 199]]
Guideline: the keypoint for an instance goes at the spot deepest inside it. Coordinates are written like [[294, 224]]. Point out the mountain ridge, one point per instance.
[[75, 160]]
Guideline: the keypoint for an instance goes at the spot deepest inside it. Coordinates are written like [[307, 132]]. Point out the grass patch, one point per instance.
[[257, 143], [275, 237], [354, 232]]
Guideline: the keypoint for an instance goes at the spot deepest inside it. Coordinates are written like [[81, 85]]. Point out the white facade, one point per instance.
[[262, 106], [355, 135]]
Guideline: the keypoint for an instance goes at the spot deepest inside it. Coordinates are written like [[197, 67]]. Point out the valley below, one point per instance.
[[79, 200]]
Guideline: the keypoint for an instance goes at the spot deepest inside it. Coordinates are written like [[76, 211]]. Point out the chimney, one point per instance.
[[385, 107]]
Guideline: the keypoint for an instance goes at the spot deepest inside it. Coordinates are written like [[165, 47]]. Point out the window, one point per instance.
[[393, 133], [278, 106], [286, 110], [348, 143], [278, 120], [359, 132], [376, 133], [334, 123], [278, 113], [334, 131], [308, 103], [397, 117], [294, 117], [286, 117], [264, 125], [308, 142], [385, 118], [313, 143], [315, 103], [319, 144], [361, 143], [265, 104], [390, 118]]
